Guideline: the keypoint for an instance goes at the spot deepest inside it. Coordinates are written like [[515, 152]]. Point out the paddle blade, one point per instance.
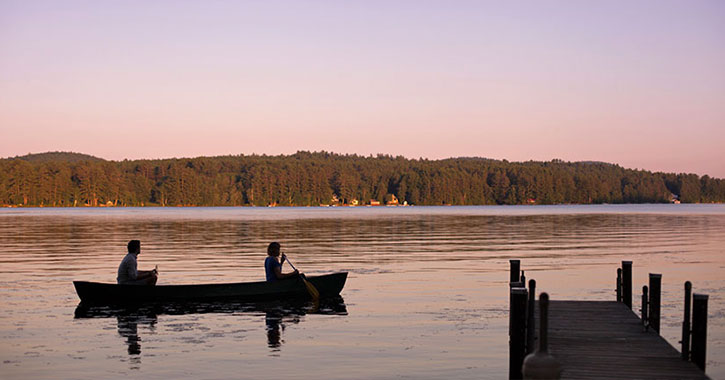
[[312, 290]]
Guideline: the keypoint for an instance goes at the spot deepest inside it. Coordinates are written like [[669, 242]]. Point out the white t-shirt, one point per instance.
[[127, 270]]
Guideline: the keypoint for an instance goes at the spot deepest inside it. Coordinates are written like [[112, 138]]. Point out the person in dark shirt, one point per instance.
[[127, 271], [273, 265]]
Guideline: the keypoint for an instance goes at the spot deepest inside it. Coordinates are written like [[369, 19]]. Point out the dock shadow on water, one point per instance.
[[278, 315]]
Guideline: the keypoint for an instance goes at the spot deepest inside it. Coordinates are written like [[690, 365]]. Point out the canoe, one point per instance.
[[108, 294]]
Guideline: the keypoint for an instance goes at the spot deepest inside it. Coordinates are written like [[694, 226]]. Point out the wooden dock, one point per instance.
[[602, 339], [606, 340]]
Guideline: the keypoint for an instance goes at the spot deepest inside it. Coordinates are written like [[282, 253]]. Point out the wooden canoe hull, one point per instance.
[[109, 294]]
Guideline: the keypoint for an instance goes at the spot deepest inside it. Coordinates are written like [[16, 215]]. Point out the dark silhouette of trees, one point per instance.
[[312, 179]]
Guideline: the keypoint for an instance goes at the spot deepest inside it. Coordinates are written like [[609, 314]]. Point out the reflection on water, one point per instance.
[[426, 294], [128, 328], [277, 315]]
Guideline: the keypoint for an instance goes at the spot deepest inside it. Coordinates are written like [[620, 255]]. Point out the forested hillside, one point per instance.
[[58, 157], [312, 179]]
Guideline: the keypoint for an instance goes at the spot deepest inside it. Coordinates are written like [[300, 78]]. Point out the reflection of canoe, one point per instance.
[[148, 311], [277, 315], [107, 294]]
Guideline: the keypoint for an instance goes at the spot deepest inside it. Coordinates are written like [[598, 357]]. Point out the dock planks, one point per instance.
[[605, 340]]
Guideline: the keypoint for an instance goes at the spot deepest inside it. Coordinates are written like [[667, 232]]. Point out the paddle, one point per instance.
[[310, 288]]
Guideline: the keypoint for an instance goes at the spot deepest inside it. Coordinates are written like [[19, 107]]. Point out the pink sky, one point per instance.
[[638, 83]]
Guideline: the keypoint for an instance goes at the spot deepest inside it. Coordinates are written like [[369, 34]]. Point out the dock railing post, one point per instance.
[[699, 330], [531, 319], [655, 297], [645, 301], [541, 365], [627, 283], [517, 334], [686, 322], [619, 284], [515, 270]]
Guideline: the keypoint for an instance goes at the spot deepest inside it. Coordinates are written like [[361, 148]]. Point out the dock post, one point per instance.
[[531, 319], [686, 323], [645, 301], [512, 286], [517, 332], [619, 284], [515, 270], [513, 283], [541, 365], [655, 298], [523, 278], [699, 330], [627, 283], [544, 322]]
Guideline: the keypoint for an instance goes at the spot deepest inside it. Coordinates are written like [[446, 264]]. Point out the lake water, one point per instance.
[[426, 298]]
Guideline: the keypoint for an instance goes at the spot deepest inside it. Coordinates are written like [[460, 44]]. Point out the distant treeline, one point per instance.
[[312, 179]]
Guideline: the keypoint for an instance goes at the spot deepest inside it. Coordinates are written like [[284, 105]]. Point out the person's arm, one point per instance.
[[142, 274], [280, 275]]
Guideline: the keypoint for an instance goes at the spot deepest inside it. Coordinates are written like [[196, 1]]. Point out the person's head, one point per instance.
[[134, 246], [273, 249]]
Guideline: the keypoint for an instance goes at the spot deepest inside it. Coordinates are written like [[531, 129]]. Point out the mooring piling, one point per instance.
[[699, 330], [515, 270], [627, 283], [645, 305], [531, 319], [523, 278], [655, 299], [686, 322], [541, 365], [517, 331]]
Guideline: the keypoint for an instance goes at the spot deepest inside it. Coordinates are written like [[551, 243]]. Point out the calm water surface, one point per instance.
[[427, 295]]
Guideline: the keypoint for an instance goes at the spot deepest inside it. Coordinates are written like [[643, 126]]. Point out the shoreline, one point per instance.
[[350, 206]]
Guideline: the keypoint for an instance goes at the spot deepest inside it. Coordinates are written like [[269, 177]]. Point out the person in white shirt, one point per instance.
[[127, 271]]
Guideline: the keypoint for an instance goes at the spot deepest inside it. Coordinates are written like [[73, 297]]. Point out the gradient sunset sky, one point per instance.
[[637, 83]]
